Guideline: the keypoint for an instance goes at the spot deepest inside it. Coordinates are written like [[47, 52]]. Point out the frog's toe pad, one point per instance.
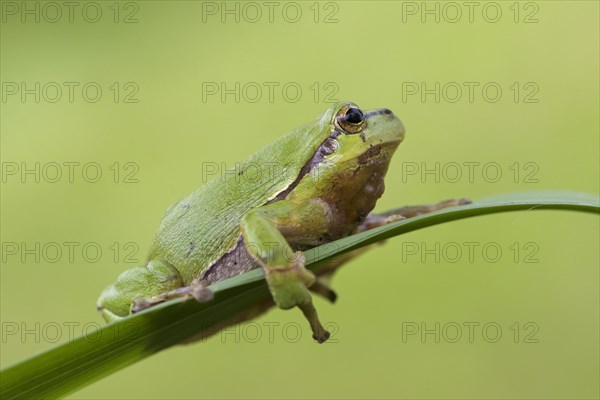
[[322, 338], [200, 292]]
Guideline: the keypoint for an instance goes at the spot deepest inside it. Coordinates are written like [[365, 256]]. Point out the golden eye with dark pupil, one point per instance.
[[354, 116], [350, 119]]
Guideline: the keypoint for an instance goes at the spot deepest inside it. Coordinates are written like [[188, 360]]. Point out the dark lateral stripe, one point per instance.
[[314, 160]]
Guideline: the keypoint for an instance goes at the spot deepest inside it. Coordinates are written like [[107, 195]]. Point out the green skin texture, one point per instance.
[[331, 201]]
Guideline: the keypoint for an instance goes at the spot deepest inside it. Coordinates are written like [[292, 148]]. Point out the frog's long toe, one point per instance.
[[142, 304]]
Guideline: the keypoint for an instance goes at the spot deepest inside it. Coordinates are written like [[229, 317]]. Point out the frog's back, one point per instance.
[[200, 228]]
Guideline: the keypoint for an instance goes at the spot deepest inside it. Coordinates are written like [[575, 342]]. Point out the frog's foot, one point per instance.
[[288, 287], [197, 289], [413, 211], [375, 220], [450, 203], [323, 290]]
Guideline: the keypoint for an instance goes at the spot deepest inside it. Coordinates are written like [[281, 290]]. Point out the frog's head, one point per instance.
[[363, 136], [349, 166]]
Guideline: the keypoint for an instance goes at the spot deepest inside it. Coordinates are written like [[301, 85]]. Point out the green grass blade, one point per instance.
[[70, 366]]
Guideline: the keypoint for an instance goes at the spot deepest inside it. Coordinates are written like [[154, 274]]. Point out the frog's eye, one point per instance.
[[350, 119]]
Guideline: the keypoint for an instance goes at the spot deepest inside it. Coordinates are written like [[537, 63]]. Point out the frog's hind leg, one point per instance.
[[149, 282], [197, 289]]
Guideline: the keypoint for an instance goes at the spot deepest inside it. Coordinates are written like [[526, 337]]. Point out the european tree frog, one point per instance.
[[316, 184]]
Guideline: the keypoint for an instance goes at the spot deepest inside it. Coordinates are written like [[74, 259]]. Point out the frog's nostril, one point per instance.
[[386, 111]]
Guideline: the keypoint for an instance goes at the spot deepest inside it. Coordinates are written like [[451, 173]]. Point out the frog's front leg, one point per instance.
[[265, 230]]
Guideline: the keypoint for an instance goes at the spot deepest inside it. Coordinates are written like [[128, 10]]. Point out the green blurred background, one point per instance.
[[541, 133]]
